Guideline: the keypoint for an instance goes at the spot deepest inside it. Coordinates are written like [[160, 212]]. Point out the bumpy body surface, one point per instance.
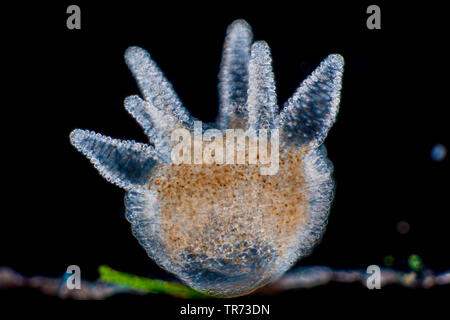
[[225, 229]]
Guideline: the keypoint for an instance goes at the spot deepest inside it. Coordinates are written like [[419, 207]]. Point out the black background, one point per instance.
[[58, 211]]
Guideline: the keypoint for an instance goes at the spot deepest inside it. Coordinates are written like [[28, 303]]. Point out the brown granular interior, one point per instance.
[[215, 210]]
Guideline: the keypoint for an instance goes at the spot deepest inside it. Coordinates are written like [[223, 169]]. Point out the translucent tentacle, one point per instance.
[[157, 124], [311, 111], [233, 76], [143, 112], [262, 98], [124, 163], [153, 85]]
